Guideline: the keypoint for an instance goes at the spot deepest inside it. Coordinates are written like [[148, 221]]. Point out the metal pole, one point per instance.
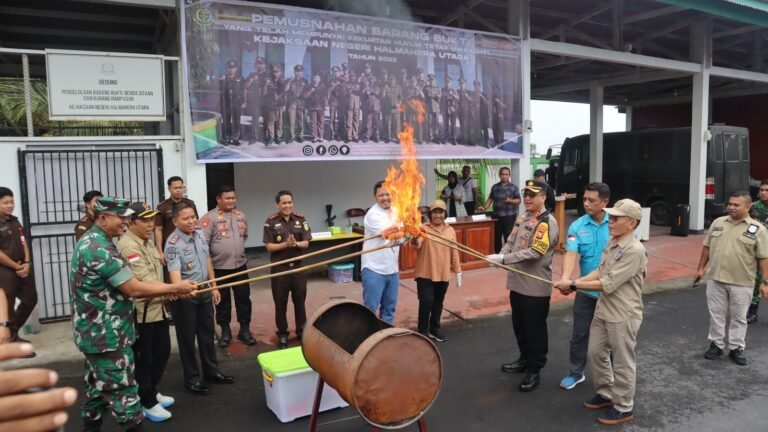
[[27, 95]]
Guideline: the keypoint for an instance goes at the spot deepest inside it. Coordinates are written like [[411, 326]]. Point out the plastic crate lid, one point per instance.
[[283, 361], [342, 266]]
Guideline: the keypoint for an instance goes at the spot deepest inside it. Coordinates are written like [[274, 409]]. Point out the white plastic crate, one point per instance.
[[290, 395]]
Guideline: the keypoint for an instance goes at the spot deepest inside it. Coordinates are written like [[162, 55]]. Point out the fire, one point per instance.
[[405, 182]]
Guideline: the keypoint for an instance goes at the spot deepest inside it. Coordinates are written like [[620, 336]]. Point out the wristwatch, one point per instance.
[[573, 285], [5, 323]]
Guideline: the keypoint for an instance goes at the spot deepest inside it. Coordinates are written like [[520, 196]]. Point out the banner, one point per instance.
[[270, 83]]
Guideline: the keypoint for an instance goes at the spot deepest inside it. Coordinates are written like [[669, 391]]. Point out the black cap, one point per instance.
[[298, 68], [535, 186], [276, 68], [142, 210], [231, 64]]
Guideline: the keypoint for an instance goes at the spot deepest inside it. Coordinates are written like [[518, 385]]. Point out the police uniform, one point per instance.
[[734, 251], [86, 222], [294, 91], [232, 94], [529, 248], [226, 233], [276, 230], [274, 98], [153, 344], [450, 111], [102, 319], [432, 95], [188, 254], [12, 244]]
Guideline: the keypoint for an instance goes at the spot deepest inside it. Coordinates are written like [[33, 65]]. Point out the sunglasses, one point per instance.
[[530, 194]]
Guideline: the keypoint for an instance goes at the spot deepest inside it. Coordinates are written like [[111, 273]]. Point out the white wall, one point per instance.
[[345, 184]]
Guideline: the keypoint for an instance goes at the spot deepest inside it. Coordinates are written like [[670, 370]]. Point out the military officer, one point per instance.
[[354, 103], [316, 96], [103, 317], [164, 219], [153, 338], [86, 222], [188, 258], [498, 114], [466, 115], [414, 94], [287, 235], [232, 103], [480, 124], [255, 101], [225, 228], [390, 106], [16, 276], [294, 93], [450, 110], [529, 248], [372, 111], [432, 95], [334, 112], [274, 98]]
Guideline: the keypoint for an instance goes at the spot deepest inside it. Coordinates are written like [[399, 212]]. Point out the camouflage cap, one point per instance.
[[119, 206], [142, 210]]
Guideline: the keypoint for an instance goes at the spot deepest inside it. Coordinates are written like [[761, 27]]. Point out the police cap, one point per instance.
[[298, 68], [231, 64]]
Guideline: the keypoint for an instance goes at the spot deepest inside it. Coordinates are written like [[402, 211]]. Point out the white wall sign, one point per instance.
[[86, 85]]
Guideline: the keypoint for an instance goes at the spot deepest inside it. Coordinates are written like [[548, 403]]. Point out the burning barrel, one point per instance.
[[390, 375]]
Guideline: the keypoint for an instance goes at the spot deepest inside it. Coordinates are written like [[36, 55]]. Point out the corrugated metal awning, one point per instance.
[[747, 11]]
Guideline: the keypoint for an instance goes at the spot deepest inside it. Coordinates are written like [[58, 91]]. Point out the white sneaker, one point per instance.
[[157, 413], [165, 401]]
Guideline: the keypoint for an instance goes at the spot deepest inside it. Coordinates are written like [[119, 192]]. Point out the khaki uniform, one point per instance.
[[276, 230], [432, 96], [144, 262], [86, 222], [529, 248], [618, 315], [12, 242], [734, 251]]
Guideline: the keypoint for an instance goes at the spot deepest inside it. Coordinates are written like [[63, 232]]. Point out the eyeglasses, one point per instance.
[[530, 194]]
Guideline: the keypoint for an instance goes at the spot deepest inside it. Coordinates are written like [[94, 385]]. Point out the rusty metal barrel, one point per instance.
[[390, 375]]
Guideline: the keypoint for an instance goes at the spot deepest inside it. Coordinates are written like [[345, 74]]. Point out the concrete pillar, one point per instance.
[[628, 118], [518, 19], [700, 52], [595, 133]]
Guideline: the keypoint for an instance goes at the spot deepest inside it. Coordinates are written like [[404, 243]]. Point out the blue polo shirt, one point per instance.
[[588, 239]]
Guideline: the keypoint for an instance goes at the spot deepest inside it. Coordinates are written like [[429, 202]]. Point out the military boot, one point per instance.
[[91, 425], [137, 428]]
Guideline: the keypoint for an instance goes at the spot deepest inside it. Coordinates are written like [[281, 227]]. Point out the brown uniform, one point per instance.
[[276, 230], [12, 242], [84, 225]]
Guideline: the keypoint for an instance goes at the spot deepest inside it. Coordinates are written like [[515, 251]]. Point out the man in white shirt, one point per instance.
[[380, 271]]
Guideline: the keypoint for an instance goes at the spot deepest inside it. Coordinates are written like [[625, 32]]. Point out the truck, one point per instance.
[[653, 167]]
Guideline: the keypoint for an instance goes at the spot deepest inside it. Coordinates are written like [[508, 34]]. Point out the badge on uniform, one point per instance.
[[541, 239], [617, 256], [278, 239], [187, 251], [306, 226], [190, 266], [751, 231]]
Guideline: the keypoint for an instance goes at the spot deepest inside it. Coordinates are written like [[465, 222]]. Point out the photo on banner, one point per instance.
[[270, 83]]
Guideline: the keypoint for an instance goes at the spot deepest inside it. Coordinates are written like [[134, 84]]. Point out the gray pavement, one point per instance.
[[678, 390]]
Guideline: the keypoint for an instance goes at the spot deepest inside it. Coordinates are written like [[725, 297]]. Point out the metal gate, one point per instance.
[[53, 183]]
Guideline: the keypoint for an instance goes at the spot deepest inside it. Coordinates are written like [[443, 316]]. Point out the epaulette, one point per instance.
[[173, 239], [273, 216], [301, 215]]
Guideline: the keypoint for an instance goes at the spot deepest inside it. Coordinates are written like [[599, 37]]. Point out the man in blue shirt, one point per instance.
[[505, 197], [587, 237]]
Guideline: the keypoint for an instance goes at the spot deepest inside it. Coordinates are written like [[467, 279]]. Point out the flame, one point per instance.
[[404, 183]]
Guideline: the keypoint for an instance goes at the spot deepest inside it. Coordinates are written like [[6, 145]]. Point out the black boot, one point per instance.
[[226, 336], [138, 428], [752, 313], [91, 425]]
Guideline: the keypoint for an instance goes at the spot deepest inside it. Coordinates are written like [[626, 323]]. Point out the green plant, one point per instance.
[[202, 47]]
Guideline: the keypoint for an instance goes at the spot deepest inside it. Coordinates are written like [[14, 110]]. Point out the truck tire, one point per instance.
[[661, 213]]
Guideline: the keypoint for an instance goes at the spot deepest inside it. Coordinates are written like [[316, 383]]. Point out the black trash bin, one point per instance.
[[681, 217]]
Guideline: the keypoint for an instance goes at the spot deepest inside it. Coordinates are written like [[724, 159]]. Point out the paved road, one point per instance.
[[677, 389]]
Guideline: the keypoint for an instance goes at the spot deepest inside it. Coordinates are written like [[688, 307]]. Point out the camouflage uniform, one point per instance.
[[103, 329], [759, 212]]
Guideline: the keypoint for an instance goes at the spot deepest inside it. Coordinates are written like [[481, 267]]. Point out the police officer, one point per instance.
[[480, 119], [255, 101], [733, 247], [287, 235], [466, 115], [86, 222], [450, 111], [188, 257], [354, 103], [414, 94], [164, 220], [432, 96], [16, 275], [334, 113], [103, 317], [316, 96], [226, 230], [529, 248], [372, 110], [390, 106], [274, 98], [153, 339], [294, 93], [232, 103], [498, 114]]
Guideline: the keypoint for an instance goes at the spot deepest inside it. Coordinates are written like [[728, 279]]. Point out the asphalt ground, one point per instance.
[[677, 389]]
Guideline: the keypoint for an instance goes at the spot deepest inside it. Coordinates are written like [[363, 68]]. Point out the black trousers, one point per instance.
[[194, 322], [152, 349], [529, 321], [469, 206], [294, 285], [431, 296], [504, 225], [22, 289], [242, 300]]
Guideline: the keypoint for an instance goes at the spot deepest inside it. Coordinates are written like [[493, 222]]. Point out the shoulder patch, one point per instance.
[[273, 216], [174, 239], [204, 222], [132, 258], [540, 242]]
